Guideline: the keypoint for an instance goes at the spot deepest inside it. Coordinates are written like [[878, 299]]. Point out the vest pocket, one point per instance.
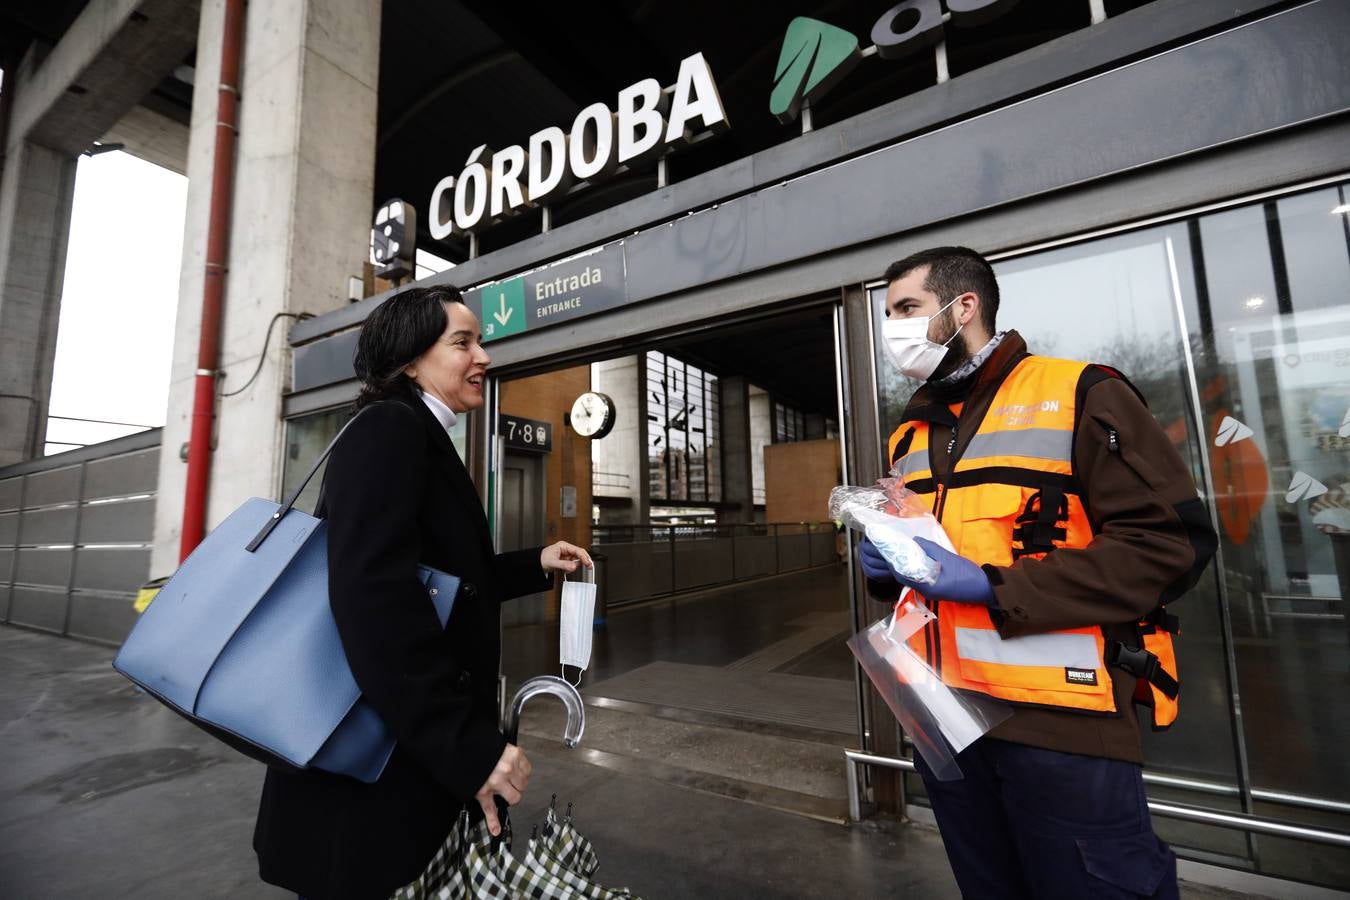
[[987, 514], [1057, 668]]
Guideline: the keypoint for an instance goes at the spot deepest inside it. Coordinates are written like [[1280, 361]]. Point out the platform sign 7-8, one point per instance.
[[526, 434]]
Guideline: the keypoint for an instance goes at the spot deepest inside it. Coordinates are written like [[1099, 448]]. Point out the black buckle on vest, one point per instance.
[[1142, 664]]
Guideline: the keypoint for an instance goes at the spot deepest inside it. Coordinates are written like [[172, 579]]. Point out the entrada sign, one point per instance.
[[817, 55], [649, 122], [577, 287]]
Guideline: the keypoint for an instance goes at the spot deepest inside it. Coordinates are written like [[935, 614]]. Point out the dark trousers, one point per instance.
[[1034, 823]]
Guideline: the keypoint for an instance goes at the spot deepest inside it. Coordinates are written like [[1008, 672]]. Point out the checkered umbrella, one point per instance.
[[540, 860], [494, 873], [563, 843], [471, 863]]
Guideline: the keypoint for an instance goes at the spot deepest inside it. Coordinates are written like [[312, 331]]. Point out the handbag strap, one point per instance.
[[299, 489]]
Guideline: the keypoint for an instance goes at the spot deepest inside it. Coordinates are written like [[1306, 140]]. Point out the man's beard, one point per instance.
[[957, 352]]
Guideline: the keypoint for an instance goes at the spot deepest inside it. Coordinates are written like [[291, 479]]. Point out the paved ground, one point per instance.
[[105, 794]]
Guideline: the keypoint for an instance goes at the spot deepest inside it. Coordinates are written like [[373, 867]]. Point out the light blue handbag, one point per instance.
[[241, 641]]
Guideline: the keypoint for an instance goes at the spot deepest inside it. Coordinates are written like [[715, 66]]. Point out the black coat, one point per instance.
[[397, 495]]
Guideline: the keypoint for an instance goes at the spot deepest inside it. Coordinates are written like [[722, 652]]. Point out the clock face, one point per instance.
[[593, 415]]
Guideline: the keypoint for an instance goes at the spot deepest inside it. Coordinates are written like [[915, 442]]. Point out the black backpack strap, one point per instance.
[[902, 446]]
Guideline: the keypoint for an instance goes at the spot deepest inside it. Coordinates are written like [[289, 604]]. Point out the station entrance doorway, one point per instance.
[[718, 653]]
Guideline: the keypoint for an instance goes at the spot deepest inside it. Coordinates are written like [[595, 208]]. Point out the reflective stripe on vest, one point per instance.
[[1010, 495], [1030, 443], [1055, 649]]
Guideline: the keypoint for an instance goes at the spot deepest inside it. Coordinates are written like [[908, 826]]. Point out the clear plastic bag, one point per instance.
[[940, 721], [891, 518]]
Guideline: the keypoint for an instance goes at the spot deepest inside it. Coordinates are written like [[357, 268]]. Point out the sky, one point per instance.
[[114, 344]]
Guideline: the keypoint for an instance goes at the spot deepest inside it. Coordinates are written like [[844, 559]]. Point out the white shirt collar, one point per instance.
[[444, 414]]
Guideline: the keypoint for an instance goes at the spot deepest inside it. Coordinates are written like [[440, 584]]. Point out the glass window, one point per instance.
[[306, 438], [789, 423], [1276, 392], [684, 460]]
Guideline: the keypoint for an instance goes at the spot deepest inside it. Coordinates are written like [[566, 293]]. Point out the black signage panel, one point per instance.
[[525, 434], [567, 290]]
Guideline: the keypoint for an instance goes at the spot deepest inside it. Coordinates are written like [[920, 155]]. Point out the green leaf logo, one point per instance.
[[814, 58]]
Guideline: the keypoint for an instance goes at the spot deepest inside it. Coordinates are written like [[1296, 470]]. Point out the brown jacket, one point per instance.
[[1152, 538]]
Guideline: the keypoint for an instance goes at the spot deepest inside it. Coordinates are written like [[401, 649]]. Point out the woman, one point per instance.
[[396, 496]]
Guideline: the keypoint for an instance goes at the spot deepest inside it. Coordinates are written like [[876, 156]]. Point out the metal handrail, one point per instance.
[[1231, 790], [1235, 821], [676, 537], [601, 479], [627, 534]]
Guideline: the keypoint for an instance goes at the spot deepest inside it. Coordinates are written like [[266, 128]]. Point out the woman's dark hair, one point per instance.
[[400, 330]]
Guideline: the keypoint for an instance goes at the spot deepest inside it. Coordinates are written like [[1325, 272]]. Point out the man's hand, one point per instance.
[[508, 781], [874, 565], [564, 557], [960, 579]]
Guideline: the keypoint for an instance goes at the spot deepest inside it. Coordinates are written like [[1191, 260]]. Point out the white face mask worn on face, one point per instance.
[[906, 344], [576, 623]]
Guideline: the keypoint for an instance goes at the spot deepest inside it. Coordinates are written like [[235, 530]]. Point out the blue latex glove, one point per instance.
[[874, 565], [960, 579]]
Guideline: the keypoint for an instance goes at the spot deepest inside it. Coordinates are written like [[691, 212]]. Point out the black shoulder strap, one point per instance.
[[289, 502]]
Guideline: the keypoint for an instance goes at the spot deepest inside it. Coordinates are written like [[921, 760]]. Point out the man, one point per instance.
[[1075, 522]]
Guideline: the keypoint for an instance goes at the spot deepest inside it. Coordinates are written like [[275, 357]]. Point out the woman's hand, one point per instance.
[[508, 781], [564, 557]]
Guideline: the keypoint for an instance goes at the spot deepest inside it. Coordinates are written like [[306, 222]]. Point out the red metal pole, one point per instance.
[[217, 249]]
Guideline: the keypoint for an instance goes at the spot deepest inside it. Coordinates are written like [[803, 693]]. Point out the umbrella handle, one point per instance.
[[549, 684]]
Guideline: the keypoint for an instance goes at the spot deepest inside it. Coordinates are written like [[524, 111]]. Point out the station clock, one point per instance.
[[593, 415]]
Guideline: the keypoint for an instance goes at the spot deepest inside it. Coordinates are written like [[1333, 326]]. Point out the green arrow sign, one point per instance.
[[504, 309], [815, 57]]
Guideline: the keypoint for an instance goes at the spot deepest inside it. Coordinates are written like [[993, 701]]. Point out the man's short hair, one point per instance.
[[953, 271]]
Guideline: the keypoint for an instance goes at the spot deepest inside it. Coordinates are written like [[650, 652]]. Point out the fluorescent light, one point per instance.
[[1255, 302], [1343, 208]]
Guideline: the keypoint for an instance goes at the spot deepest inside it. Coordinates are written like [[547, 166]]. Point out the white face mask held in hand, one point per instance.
[[906, 344], [576, 622]]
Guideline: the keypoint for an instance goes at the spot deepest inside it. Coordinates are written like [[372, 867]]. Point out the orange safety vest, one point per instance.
[[1012, 494]]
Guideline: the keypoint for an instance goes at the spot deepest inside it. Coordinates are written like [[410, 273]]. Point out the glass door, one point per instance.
[[1114, 301]]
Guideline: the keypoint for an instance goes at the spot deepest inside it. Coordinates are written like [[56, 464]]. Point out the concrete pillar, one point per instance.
[[737, 470], [303, 203], [36, 190], [761, 435], [623, 452], [57, 100]]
